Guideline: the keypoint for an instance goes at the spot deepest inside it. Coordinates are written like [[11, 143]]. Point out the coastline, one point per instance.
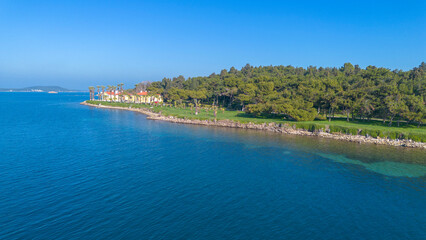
[[271, 127]]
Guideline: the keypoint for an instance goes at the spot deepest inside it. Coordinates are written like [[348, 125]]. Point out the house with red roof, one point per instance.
[[112, 96], [146, 97], [140, 97]]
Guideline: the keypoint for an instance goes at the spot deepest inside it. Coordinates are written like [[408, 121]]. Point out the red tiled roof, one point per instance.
[[110, 93], [143, 93]]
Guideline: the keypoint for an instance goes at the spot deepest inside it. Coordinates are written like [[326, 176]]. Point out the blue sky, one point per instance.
[[79, 43]]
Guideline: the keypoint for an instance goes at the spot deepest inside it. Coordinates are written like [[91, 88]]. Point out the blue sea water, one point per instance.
[[69, 171]]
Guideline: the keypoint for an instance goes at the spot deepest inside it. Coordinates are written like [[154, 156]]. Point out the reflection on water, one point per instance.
[[392, 169]]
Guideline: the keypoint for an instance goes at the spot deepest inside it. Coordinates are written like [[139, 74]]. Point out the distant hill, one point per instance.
[[37, 89]]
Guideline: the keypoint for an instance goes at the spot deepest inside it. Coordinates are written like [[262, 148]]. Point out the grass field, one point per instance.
[[373, 128]]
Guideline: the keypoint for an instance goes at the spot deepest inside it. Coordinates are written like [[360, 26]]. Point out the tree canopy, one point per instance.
[[304, 94]]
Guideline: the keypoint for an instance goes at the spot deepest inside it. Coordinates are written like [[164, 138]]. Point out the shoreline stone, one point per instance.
[[271, 127]]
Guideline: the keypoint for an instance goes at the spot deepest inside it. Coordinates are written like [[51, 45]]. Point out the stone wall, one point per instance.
[[272, 127]]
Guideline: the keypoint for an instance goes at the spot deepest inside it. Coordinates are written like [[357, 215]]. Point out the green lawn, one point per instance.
[[372, 128]]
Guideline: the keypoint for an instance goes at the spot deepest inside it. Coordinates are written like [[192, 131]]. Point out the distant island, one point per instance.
[[38, 89]]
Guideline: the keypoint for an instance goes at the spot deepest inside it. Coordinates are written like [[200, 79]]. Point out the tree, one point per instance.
[[233, 71], [92, 93], [348, 69], [196, 96], [396, 107], [416, 109], [246, 95], [103, 92], [223, 73], [99, 94], [178, 82], [114, 93], [166, 83]]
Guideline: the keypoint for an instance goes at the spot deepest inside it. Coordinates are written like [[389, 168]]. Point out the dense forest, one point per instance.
[[305, 94]]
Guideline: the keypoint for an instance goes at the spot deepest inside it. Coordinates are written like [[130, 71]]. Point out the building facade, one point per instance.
[[141, 97]]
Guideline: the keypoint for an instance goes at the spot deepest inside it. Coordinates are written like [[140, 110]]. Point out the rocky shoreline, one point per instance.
[[272, 127]]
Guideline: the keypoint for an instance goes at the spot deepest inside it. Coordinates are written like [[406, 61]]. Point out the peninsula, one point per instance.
[[374, 105]]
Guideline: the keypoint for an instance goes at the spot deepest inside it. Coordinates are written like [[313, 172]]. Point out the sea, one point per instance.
[[69, 171]]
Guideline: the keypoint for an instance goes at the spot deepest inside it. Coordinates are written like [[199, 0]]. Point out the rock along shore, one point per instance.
[[272, 127]]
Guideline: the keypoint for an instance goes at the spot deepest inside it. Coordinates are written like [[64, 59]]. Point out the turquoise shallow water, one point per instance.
[[387, 168], [73, 172]]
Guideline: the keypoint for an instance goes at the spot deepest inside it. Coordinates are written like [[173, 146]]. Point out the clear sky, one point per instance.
[[79, 43]]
